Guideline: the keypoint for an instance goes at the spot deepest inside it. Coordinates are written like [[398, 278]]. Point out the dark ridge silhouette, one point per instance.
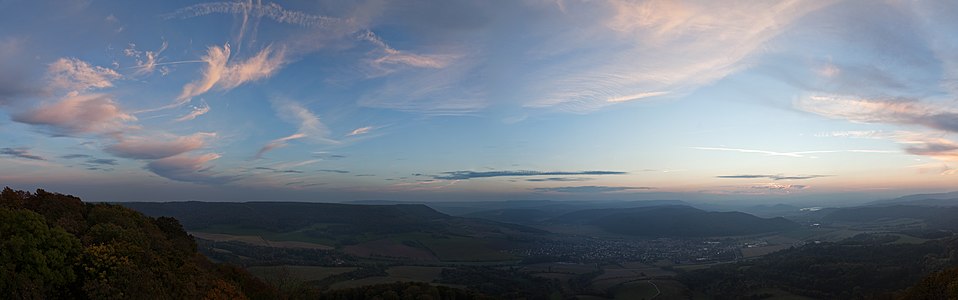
[[675, 221], [290, 216]]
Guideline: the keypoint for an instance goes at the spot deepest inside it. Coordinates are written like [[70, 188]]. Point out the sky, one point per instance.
[[820, 101]]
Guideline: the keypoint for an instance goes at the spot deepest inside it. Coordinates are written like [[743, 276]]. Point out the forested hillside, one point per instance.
[[54, 246], [864, 267]]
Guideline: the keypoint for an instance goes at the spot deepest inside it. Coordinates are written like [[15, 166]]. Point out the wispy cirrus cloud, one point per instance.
[[309, 126], [72, 74], [20, 152], [189, 168], [146, 61], [258, 9], [463, 175], [197, 111], [662, 48], [222, 74], [360, 130], [591, 189], [772, 177], [390, 56]]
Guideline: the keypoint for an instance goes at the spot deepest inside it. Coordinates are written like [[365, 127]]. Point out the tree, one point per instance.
[[36, 261]]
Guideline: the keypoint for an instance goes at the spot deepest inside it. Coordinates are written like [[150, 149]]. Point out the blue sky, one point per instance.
[[479, 100]]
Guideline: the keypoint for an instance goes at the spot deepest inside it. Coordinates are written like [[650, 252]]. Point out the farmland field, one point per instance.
[[298, 273]]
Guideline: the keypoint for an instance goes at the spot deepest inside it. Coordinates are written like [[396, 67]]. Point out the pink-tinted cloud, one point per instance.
[[157, 147], [72, 74], [197, 111], [278, 143], [895, 111], [391, 56], [75, 114], [223, 75], [360, 130]]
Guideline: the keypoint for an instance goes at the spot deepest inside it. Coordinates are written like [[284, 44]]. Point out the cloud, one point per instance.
[[779, 187], [561, 179], [661, 47], [463, 175], [334, 171], [288, 165], [936, 148], [258, 9], [903, 111], [75, 114], [223, 75], [72, 74], [390, 56], [447, 91], [278, 143], [73, 156], [894, 111], [200, 110], [360, 130], [189, 168], [20, 153], [327, 155], [278, 171], [798, 154], [309, 126], [157, 147], [146, 61], [591, 189], [102, 161], [772, 177]]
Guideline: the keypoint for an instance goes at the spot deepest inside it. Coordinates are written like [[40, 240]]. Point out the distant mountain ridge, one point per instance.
[[675, 220], [934, 217], [282, 216], [335, 218], [533, 214], [938, 199], [469, 207]]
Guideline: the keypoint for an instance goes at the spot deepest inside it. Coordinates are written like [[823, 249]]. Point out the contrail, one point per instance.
[[169, 63]]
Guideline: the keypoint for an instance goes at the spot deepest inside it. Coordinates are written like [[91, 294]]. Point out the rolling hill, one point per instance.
[[397, 232], [674, 221], [933, 217], [940, 199]]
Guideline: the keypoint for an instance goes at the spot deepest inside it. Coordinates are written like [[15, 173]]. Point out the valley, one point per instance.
[[590, 253]]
